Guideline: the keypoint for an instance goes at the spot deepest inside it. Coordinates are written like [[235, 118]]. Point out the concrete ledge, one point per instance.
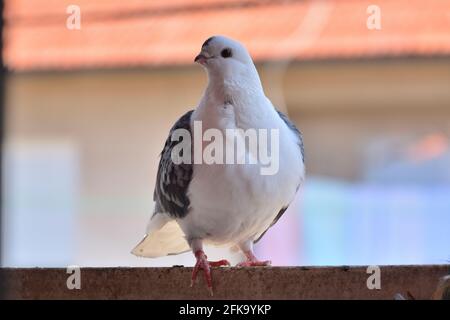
[[229, 283]]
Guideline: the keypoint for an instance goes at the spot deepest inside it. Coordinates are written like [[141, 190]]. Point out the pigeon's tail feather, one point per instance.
[[163, 238]]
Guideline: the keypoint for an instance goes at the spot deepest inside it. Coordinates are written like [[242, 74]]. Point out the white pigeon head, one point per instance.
[[226, 58]]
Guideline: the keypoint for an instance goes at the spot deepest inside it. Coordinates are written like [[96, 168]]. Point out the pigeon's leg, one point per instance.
[[204, 264], [252, 261]]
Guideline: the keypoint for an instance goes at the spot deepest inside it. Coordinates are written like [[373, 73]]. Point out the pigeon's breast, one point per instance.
[[235, 202]]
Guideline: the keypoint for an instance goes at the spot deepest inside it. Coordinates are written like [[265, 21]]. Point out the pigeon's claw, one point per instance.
[[220, 263], [252, 261], [205, 265]]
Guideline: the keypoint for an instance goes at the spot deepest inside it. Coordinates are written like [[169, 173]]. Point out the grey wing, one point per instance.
[[295, 130], [173, 180], [299, 135]]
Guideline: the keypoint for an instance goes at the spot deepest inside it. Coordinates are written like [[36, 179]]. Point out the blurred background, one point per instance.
[[87, 112]]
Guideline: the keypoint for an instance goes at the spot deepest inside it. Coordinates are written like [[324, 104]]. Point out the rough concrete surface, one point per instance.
[[229, 283]]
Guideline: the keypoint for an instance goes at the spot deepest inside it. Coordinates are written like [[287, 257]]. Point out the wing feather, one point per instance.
[[299, 135], [164, 235], [173, 180]]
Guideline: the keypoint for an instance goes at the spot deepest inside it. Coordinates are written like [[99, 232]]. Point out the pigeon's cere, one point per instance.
[[224, 203]]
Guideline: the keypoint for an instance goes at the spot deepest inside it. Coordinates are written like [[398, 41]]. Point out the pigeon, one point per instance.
[[223, 203]]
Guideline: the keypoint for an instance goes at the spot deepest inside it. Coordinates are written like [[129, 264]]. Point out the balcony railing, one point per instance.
[[418, 282]]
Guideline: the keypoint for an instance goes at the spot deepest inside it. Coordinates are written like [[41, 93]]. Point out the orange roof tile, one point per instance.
[[117, 33]]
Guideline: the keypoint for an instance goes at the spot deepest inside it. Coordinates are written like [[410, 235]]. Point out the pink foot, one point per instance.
[[252, 261], [256, 263], [204, 264]]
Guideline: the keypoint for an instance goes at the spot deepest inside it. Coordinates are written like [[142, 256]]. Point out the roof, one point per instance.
[[117, 33]]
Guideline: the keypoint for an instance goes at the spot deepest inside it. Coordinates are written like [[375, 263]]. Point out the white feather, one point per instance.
[[164, 237]]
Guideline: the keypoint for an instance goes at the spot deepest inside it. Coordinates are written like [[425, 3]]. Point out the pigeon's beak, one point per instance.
[[201, 58]]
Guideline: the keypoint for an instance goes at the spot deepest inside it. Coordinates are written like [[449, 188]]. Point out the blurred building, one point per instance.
[[88, 111]]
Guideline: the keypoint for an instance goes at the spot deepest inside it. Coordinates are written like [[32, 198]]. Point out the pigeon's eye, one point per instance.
[[226, 53]]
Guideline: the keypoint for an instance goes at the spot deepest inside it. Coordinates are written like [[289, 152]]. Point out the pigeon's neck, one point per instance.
[[237, 102], [234, 88]]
